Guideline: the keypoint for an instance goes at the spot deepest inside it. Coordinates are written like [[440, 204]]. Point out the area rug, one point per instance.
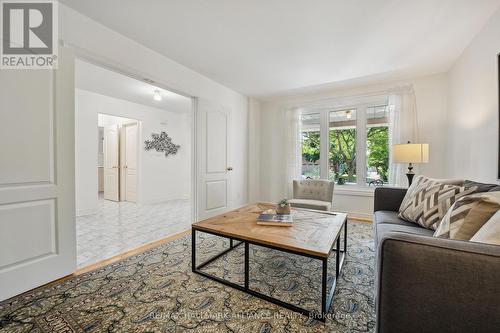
[[155, 291]]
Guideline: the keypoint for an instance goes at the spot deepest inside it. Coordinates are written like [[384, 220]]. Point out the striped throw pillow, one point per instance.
[[431, 201], [422, 182]]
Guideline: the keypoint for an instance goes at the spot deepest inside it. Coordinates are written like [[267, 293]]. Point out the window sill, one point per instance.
[[354, 190]]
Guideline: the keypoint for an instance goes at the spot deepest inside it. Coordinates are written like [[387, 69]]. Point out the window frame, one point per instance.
[[361, 104]]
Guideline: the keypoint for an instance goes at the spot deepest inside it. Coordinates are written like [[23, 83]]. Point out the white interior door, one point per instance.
[[111, 163], [37, 176], [129, 163], [214, 168]]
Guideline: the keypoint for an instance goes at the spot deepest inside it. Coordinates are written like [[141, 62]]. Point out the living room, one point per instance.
[[396, 231]]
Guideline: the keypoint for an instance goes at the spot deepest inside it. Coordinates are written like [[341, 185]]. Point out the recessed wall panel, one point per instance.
[[216, 142], [26, 127], [216, 194], [27, 232]]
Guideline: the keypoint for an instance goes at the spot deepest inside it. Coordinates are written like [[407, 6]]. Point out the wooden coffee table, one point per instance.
[[314, 234]]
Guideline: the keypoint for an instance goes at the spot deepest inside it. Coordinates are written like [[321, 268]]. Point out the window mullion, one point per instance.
[[324, 144], [361, 145]]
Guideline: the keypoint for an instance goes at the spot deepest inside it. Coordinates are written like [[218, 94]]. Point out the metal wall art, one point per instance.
[[162, 143]]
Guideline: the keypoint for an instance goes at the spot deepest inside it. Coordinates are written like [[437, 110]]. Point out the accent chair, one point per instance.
[[312, 194]]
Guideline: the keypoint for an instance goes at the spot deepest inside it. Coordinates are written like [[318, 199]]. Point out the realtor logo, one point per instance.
[[29, 34]]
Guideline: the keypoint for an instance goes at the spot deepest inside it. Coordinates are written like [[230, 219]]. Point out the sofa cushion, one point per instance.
[[468, 215], [388, 198], [390, 217], [385, 228], [310, 204], [385, 221], [430, 202]]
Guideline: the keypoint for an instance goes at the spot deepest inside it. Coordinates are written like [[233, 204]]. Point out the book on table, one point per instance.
[[271, 218]]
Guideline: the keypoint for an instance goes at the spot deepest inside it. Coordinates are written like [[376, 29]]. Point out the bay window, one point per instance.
[[348, 143]]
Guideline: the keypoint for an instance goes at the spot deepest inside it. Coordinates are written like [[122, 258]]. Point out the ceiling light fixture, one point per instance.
[[157, 95]]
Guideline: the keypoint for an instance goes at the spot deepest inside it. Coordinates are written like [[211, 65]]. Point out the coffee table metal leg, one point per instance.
[[247, 265], [345, 238], [324, 287], [337, 259], [193, 250]]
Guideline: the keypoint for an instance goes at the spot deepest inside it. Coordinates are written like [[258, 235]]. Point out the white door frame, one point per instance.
[[106, 63]]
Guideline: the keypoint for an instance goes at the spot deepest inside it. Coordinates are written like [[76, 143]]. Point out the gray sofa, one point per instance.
[[427, 284]]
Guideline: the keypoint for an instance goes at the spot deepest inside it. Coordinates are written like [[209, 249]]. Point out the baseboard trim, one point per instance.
[[130, 253], [87, 211], [359, 216], [162, 199]]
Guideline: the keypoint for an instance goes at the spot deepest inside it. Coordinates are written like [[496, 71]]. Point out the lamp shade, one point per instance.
[[410, 153]]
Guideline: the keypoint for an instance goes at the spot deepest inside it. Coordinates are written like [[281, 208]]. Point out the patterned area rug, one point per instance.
[[155, 291]]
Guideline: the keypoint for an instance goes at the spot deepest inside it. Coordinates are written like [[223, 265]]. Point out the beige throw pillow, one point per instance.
[[489, 232], [468, 215]]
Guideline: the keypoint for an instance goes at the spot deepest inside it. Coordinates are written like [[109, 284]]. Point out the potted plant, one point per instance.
[[283, 207]]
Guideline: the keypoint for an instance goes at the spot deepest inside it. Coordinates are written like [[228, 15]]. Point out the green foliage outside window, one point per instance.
[[310, 146], [342, 151], [378, 148], [342, 154]]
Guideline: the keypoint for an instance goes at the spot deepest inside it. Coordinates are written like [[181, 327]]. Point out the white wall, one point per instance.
[[254, 132], [95, 41], [104, 120], [431, 94], [473, 114], [160, 178]]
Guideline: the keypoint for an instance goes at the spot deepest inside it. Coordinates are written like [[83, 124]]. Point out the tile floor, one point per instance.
[[121, 226]]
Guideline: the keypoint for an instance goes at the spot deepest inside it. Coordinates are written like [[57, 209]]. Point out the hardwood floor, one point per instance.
[[114, 259], [129, 253]]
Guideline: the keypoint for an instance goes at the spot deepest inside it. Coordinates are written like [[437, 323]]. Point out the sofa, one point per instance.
[[312, 194], [428, 284]]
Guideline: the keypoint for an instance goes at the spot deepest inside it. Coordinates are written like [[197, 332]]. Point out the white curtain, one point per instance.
[[403, 127], [293, 147]]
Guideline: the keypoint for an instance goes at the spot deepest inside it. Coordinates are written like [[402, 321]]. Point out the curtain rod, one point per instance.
[[339, 99]]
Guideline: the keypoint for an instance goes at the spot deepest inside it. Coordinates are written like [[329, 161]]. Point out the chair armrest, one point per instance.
[[428, 284], [388, 198]]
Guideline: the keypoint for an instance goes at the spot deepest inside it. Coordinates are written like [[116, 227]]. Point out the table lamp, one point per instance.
[[410, 153]]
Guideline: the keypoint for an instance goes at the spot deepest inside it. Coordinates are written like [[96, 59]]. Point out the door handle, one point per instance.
[[229, 168]]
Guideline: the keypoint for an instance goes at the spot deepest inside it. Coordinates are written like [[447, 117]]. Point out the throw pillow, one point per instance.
[[421, 182], [489, 232], [482, 187], [431, 202], [468, 215]]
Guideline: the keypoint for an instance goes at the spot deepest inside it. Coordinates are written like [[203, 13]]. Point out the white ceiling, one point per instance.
[[265, 47], [106, 82]]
